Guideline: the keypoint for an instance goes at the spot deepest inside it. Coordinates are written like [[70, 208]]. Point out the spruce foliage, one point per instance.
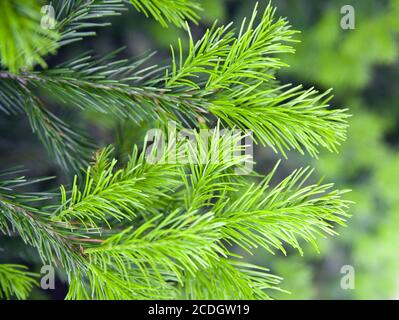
[[138, 230]]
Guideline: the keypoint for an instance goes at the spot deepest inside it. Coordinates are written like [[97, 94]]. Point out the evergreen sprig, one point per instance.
[[15, 281], [23, 42], [21, 216], [225, 74], [141, 229], [77, 19], [169, 11]]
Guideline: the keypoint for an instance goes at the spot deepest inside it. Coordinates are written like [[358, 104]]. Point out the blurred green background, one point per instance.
[[361, 65]]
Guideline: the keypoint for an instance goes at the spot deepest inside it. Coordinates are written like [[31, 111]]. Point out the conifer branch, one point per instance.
[[166, 229], [231, 279], [77, 18], [15, 281], [23, 42], [17, 214], [169, 11]]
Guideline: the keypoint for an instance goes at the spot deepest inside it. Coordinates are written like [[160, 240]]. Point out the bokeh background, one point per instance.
[[361, 65]]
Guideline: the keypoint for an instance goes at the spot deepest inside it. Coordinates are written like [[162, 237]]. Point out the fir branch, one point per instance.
[[11, 99], [211, 170], [230, 280], [235, 76], [269, 217], [77, 18], [203, 56], [166, 229], [285, 118], [117, 193], [252, 54], [15, 281], [176, 243], [122, 88], [23, 42], [169, 11], [100, 284], [64, 144], [281, 118], [18, 215]]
